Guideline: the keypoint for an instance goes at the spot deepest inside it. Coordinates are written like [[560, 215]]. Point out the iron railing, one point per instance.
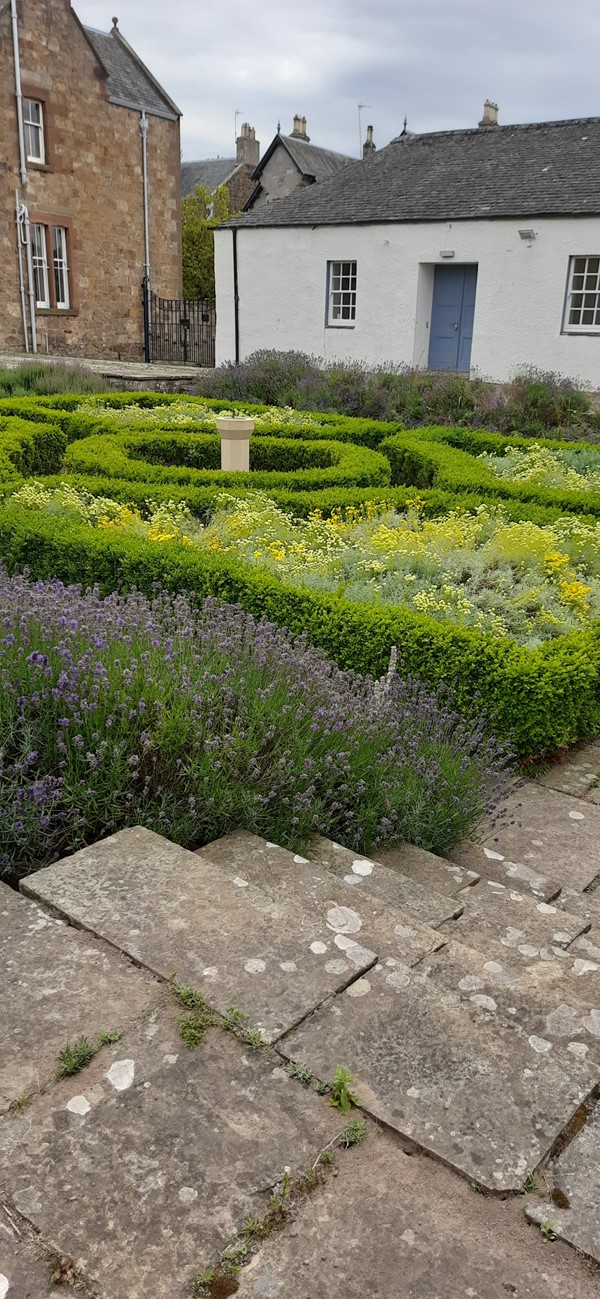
[[178, 329]]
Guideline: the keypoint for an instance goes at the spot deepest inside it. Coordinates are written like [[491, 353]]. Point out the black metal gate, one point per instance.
[[178, 329]]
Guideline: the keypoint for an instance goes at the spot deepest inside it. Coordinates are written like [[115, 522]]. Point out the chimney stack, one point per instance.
[[247, 147], [299, 131], [490, 114], [369, 146]]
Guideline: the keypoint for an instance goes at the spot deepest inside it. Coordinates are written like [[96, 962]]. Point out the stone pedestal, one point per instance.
[[235, 434]]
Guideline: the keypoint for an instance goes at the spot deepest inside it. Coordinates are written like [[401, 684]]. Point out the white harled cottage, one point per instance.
[[474, 250]]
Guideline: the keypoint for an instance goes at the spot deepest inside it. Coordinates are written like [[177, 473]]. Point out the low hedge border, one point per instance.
[[27, 449], [119, 455], [542, 698], [433, 458]]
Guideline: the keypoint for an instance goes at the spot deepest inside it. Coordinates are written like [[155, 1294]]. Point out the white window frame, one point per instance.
[[33, 128], [60, 267], [576, 291], [341, 293], [39, 255]]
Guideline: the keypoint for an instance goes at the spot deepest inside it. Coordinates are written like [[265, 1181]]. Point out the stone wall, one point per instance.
[[279, 178], [92, 184]]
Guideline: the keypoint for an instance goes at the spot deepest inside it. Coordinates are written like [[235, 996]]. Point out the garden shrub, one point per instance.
[[125, 711], [150, 457], [542, 698], [27, 448]]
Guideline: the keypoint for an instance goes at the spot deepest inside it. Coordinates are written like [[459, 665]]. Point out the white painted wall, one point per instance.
[[518, 312]]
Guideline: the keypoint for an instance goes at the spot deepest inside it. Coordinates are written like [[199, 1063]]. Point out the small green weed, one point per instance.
[[215, 1283], [322, 1087], [548, 1230], [531, 1185], [354, 1132], [233, 1019], [187, 996], [302, 1072], [192, 1031], [253, 1038], [327, 1157], [18, 1104], [341, 1096], [252, 1227], [109, 1039], [75, 1056]]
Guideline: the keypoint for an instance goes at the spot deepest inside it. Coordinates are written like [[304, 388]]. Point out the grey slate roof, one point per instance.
[[311, 160], [538, 169], [129, 81], [209, 172]]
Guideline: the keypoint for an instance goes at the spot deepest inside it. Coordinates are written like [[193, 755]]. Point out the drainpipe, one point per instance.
[[147, 330], [30, 278], [236, 297], [20, 242], [18, 92], [22, 213]]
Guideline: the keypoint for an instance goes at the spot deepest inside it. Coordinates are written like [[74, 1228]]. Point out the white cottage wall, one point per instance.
[[519, 306]]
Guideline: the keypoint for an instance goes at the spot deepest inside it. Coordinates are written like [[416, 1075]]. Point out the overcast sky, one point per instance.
[[435, 60]]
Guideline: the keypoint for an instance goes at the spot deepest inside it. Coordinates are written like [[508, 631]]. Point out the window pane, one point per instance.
[[593, 264], [342, 292], [61, 270], [580, 265], [40, 265], [587, 317], [33, 117]]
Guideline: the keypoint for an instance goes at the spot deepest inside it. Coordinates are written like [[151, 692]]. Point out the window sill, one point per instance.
[[582, 333], [352, 326], [56, 311], [39, 166]]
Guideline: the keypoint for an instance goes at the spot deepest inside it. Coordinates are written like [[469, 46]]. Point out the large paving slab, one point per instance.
[[24, 1271], [470, 1087], [425, 868], [56, 984], [503, 921], [145, 1166], [492, 865], [395, 1227], [578, 773], [427, 905], [553, 833], [273, 954], [550, 1000], [577, 1179]]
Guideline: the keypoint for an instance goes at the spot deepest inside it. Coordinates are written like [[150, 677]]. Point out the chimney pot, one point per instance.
[[247, 146], [490, 114], [299, 130], [369, 145]]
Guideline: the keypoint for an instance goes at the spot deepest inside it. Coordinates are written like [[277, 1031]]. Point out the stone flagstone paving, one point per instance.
[[463, 995]]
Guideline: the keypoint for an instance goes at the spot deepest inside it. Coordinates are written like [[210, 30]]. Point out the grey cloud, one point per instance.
[[434, 60]]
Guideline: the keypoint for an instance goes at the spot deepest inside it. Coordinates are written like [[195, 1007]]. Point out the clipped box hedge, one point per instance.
[[276, 462], [446, 459], [27, 449], [542, 698]]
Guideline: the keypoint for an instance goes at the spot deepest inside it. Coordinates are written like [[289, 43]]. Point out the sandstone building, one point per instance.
[[86, 135]]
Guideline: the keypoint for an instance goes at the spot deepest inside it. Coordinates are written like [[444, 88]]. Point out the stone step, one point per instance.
[[463, 1084], [509, 925], [434, 873], [273, 954], [578, 773], [372, 877], [145, 1166], [282, 874], [552, 833], [557, 1009], [56, 986], [581, 904], [492, 865], [576, 1173]]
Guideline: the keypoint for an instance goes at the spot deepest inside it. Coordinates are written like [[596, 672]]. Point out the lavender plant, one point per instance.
[[119, 711]]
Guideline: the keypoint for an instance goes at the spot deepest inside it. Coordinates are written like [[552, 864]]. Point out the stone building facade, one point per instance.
[[236, 173], [85, 95], [290, 163]]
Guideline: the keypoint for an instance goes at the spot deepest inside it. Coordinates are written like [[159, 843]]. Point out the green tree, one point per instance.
[[201, 212]]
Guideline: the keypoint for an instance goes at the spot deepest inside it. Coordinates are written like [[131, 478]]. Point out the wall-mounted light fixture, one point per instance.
[[446, 253], [528, 235]]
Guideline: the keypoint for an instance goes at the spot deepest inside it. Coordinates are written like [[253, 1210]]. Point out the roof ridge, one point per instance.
[[489, 130]]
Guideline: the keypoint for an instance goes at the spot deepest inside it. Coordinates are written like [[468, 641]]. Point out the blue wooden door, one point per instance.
[[452, 314]]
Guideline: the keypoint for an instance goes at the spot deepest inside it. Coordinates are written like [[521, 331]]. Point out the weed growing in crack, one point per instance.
[[547, 1230], [18, 1104], [341, 1096], [301, 1072], [354, 1132], [192, 1027], [76, 1055], [531, 1185]]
